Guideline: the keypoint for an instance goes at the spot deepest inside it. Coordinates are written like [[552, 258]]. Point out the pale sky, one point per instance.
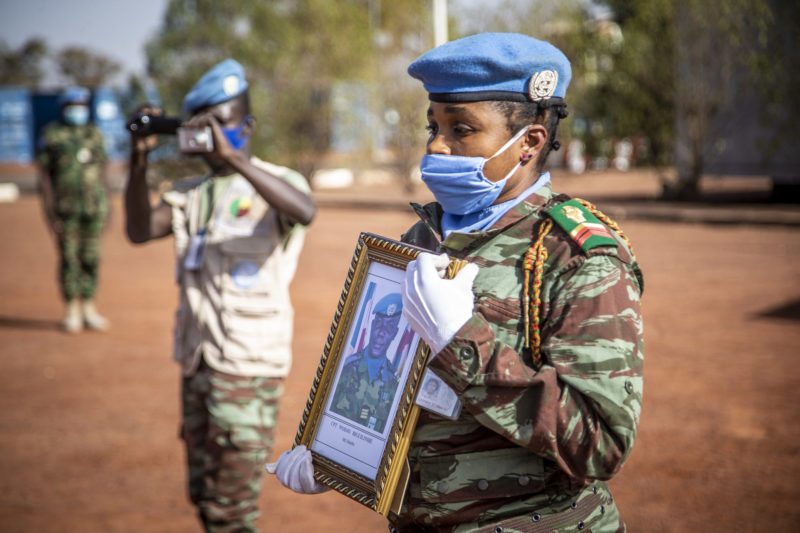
[[115, 28]]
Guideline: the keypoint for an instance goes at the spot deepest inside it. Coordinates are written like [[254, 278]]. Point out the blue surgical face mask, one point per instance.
[[235, 135], [457, 182], [76, 115]]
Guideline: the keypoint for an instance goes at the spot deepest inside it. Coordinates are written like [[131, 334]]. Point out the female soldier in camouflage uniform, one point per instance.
[[540, 335]]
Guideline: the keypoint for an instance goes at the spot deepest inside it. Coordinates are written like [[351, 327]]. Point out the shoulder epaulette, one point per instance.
[[581, 225]]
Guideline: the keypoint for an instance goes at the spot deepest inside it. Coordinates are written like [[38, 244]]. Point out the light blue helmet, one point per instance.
[[222, 83]]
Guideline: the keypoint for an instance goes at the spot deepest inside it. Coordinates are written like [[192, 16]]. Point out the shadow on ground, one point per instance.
[[788, 311], [14, 322]]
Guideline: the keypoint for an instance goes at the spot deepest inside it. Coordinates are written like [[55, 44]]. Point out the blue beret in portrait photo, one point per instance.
[[390, 305], [221, 83], [493, 66]]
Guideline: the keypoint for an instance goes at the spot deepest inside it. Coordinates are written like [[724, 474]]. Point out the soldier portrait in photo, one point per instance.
[[367, 384]]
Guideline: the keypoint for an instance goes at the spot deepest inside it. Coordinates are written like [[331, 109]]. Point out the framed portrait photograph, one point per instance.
[[361, 413]]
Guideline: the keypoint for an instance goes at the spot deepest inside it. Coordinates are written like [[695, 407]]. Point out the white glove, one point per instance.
[[437, 308], [295, 470]]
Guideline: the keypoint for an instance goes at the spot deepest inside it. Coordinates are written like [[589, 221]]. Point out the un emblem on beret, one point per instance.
[[230, 85], [543, 85]]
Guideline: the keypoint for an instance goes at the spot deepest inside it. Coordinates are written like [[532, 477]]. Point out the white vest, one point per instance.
[[234, 308]]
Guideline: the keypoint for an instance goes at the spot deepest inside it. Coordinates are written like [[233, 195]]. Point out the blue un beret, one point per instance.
[[389, 305], [223, 82], [74, 95], [493, 66]]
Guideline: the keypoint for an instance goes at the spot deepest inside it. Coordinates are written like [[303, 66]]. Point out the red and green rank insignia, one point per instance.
[[581, 225]]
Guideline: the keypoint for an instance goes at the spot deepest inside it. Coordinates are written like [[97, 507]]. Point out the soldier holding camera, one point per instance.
[[238, 234]]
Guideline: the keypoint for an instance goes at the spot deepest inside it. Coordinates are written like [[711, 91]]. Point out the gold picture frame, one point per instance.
[[359, 431]]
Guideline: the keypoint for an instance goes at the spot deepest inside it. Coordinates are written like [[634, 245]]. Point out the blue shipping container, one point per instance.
[[16, 126], [45, 111], [109, 119]]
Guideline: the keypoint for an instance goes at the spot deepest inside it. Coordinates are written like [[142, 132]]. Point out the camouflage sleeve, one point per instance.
[[43, 155], [581, 408]]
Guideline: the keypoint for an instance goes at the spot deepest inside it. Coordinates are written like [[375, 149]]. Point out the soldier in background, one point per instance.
[[367, 383], [540, 335], [74, 191]]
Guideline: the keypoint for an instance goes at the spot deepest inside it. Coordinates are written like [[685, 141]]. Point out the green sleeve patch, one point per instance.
[[581, 225]]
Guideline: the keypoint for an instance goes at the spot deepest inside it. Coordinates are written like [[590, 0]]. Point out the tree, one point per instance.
[[22, 66], [84, 67], [400, 34], [634, 85], [572, 26], [776, 79], [712, 42], [661, 69], [673, 73], [295, 54], [291, 51]]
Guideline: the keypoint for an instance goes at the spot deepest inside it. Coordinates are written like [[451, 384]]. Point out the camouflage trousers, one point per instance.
[[79, 248], [229, 429]]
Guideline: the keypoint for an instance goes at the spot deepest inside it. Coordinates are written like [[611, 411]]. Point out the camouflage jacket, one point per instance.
[[529, 440], [361, 400], [74, 157]]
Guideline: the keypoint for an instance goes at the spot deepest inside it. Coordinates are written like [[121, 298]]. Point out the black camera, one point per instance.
[[143, 124], [190, 140]]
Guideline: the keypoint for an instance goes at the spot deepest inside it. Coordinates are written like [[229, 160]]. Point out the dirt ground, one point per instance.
[[88, 423]]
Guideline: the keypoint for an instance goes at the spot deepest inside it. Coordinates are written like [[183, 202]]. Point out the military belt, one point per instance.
[[572, 517]]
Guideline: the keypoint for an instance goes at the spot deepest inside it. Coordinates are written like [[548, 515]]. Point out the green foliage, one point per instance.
[[676, 69], [81, 66], [133, 95], [22, 66], [77, 65], [626, 78], [404, 33], [634, 87], [775, 65], [293, 53]]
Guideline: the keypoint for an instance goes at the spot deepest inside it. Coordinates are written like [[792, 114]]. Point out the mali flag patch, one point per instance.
[[581, 225]]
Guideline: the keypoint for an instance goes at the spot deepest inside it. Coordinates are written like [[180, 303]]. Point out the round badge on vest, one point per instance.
[[245, 274], [84, 155]]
